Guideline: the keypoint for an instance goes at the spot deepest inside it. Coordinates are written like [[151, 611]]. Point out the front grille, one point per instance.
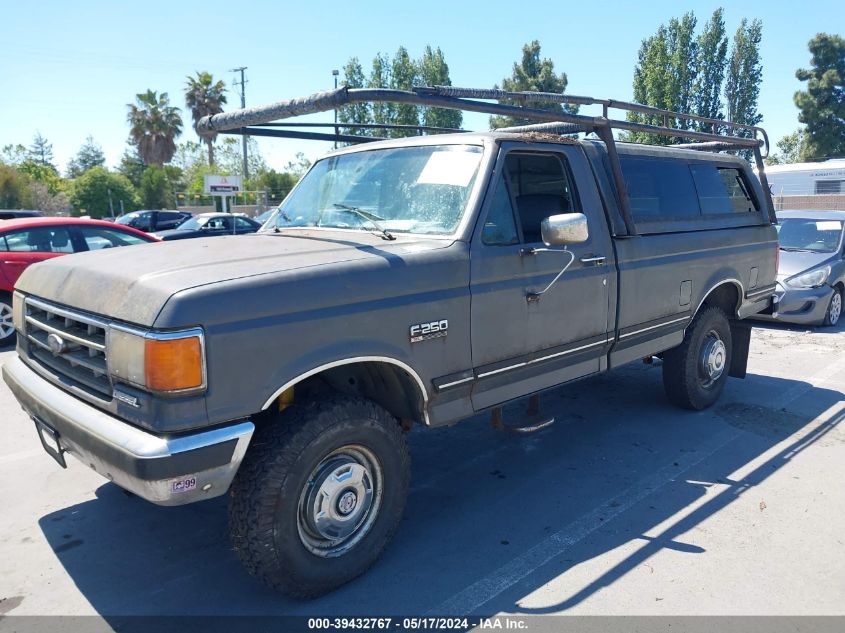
[[82, 357]]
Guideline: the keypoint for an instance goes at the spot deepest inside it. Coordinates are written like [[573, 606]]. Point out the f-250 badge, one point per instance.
[[430, 330]]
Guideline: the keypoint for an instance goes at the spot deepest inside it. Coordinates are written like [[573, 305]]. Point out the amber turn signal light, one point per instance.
[[173, 364]]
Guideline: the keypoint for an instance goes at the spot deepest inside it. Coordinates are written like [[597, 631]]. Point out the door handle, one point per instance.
[[598, 260]]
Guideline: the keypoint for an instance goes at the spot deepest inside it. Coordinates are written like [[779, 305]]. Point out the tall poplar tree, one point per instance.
[[434, 71], [710, 66], [353, 77], [745, 73], [403, 76]]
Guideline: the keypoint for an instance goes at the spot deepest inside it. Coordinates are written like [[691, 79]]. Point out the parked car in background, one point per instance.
[[26, 241], [261, 219], [211, 225], [10, 214], [811, 272], [152, 221]]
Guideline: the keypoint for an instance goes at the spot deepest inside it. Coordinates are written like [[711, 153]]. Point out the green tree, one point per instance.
[[45, 174], [41, 151], [533, 74], [665, 76], [153, 127], [434, 71], [822, 105], [89, 155], [298, 166], [791, 147], [205, 97], [15, 191], [91, 191], [403, 76], [48, 202], [230, 158], [683, 54], [155, 191], [276, 184], [712, 49], [360, 113], [132, 166], [745, 73], [13, 154], [383, 113]]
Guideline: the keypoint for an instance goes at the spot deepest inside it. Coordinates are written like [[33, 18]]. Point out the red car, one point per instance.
[[26, 241]]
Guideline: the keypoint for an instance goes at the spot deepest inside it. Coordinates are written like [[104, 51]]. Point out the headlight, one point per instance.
[[812, 279], [18, 311], [163, 362]]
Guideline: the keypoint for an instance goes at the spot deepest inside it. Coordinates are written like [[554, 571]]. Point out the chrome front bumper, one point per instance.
[[173, 470]]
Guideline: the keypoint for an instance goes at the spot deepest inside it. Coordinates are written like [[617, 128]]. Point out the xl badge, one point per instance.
[[430, 330]]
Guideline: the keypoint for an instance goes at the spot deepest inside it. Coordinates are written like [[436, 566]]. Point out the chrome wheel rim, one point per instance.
[[7, 327], [340, 501], [712, 360], [835, 308]]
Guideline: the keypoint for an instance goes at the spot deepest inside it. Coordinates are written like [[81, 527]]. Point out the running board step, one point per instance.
[[533, 422]]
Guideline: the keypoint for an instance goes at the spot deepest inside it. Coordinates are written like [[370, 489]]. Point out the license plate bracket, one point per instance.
[[50, 441]]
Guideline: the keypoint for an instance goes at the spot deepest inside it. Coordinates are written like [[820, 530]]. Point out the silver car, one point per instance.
[[811, 272]]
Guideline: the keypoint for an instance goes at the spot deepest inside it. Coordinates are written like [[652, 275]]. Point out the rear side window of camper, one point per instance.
[[721, 190]]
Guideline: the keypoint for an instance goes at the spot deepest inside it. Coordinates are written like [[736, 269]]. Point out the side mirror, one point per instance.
[[566, 228]]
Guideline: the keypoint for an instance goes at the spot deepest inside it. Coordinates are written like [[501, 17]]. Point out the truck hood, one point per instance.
[[133, 284], [795, 262]]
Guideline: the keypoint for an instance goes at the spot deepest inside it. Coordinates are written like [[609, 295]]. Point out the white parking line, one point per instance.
[[484, 590], [821, 377]]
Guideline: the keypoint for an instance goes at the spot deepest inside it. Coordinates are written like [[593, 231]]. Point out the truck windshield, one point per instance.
[[422, 189], [799, 234]]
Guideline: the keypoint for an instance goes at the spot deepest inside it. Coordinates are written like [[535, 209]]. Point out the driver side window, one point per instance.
[[533, 187]]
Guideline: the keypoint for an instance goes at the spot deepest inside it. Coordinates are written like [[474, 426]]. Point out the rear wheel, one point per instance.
[[834, 308], [319, 495], [695, 372], [7, 327]]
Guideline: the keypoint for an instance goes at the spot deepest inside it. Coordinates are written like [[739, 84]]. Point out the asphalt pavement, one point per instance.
[[625, 505]]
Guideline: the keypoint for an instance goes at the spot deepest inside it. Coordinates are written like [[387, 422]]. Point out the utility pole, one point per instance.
[[242, 86]]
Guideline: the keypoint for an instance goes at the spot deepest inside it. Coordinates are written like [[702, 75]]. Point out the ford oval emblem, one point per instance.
[[56, 344]]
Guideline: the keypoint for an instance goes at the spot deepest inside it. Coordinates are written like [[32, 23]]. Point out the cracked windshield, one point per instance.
[[401, 190]]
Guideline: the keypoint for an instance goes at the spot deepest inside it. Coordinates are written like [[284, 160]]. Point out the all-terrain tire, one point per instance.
[[689, 379], [270, 531]]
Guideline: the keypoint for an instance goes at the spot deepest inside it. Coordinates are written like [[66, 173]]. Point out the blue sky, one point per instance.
[[70, 68]]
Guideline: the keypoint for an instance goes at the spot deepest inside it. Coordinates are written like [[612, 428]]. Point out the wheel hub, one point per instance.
[[6, 325], [346, 503], [714, 355], [339, 502]]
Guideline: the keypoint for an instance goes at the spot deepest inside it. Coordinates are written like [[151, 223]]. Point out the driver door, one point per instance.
[[521, 346]]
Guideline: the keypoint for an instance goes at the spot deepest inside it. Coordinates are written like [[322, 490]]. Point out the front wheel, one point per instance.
[[695, 372], [319, 495], [834, 308]]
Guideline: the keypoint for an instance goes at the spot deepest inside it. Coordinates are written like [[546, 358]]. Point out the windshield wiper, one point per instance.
[[280, 214], [372, 218], [791, 249]]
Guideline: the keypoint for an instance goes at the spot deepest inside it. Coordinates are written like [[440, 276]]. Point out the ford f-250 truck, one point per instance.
[[413, 281]]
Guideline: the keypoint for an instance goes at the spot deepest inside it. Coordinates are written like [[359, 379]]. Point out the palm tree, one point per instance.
[[205, 97], [153, 126]]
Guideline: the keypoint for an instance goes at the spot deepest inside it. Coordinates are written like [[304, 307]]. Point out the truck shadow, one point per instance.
[[618, 462]]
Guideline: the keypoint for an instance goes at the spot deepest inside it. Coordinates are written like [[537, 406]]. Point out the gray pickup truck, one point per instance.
[[408, 282]]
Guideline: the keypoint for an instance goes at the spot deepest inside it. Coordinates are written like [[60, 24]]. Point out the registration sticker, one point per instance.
[[184, 484]]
